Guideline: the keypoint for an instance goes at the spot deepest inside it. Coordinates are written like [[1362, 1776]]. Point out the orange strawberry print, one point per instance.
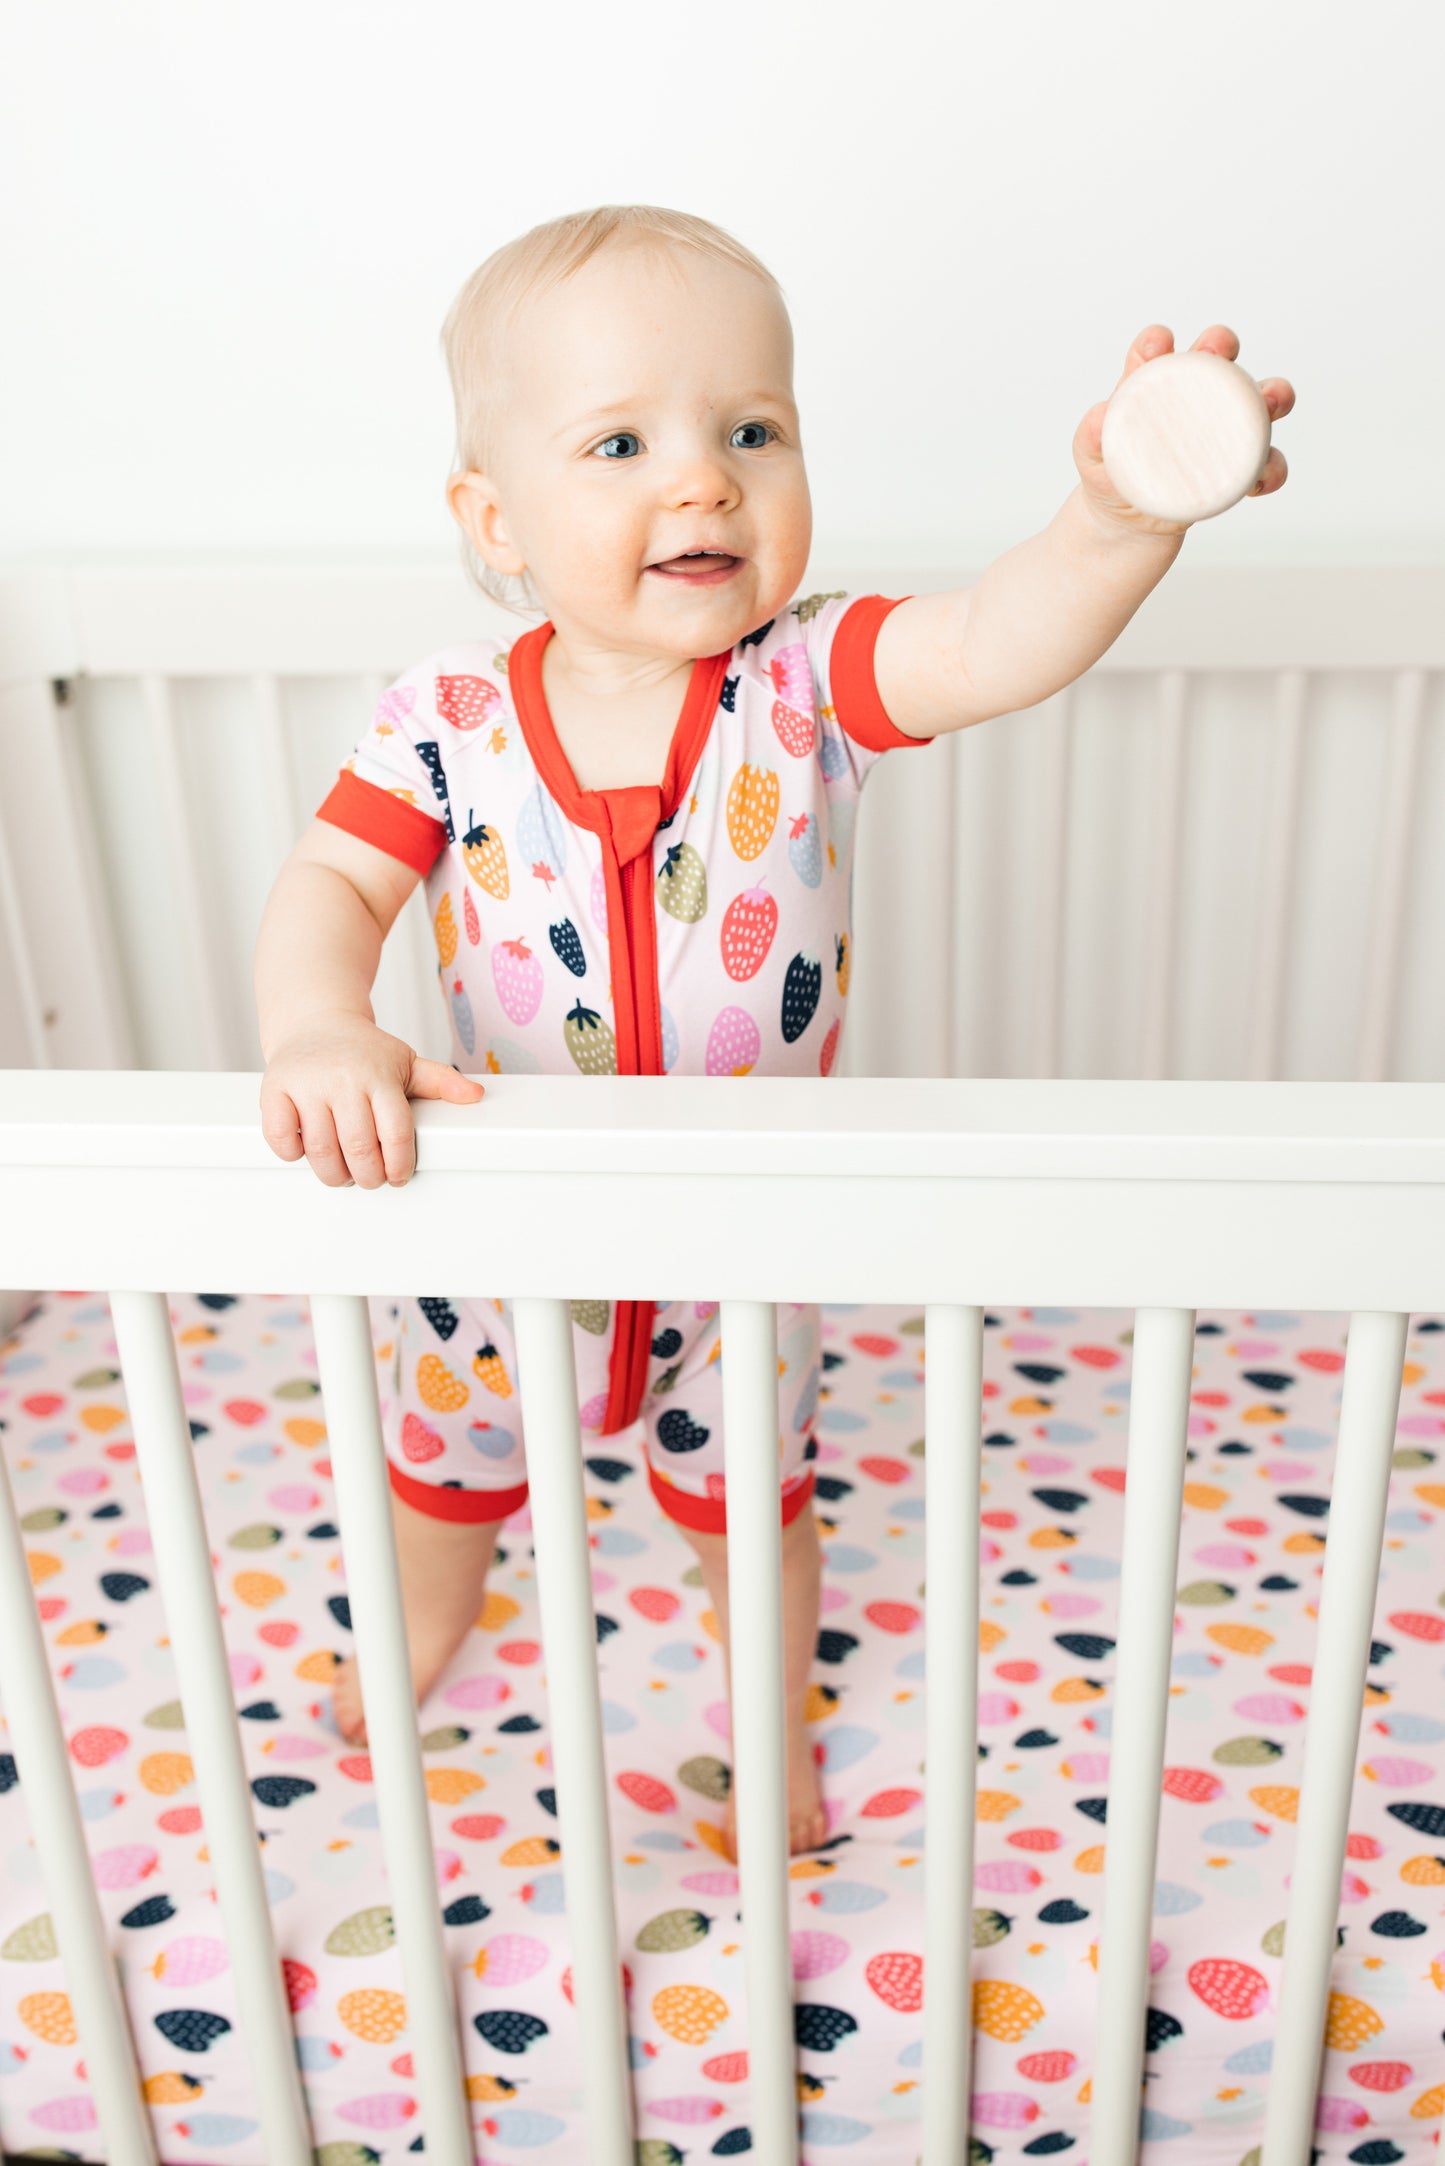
[[489, 1367], [485, 858], [753, 800]]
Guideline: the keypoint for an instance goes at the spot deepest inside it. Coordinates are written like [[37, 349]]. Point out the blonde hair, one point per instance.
[[522, 269]]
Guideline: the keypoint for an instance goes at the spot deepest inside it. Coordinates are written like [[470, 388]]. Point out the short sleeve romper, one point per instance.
[[696, 927]]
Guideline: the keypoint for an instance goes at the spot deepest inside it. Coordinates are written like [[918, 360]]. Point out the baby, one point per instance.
[[636, 831]]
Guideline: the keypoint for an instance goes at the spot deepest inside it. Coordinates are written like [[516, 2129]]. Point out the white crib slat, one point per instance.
[[1281, 832], [193, 928], [953, 1404], [188, 1590], [28, 1697], [57, 871], [1158, 1430], [1359, 1493], [368, 1543], [275, 753], [569, 1639], [1382, 975], [1050, 880], [13, 920], [1162, 906], [755, 1606]]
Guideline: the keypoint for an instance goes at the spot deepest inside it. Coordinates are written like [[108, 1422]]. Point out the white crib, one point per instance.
[[1158, 1195]]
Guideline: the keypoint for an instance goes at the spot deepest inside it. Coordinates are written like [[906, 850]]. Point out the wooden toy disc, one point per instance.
[[1186, 436]]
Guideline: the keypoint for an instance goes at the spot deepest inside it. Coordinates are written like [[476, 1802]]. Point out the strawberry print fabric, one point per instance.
[[1256, 1510], [449, 1397], [701, 926], [748, 876]]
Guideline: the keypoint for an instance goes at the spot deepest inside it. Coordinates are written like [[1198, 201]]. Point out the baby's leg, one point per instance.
[[444, 1565], [454, 1451], [684, 1416]]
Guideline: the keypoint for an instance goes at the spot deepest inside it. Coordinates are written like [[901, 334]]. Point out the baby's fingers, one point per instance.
[[1154, 339], [434, 1079], [1278, 395], [1218, 338], [281, 1125], [323, 1151], [356, 1133], [396, 1133], [1273, 476]]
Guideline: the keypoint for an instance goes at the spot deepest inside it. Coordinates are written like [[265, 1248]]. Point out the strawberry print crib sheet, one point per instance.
[[1056, 1411]]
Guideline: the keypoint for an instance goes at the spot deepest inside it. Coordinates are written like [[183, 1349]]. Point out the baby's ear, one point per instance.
[[475, 505]]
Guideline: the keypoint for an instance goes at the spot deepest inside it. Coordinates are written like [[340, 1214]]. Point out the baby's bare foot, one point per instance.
[[443, 1583], [807, 1814]]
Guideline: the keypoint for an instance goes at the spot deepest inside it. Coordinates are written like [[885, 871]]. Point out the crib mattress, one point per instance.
[[1057, 1384]]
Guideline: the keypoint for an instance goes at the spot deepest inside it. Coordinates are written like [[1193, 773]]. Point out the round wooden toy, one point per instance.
[[1185, 436]]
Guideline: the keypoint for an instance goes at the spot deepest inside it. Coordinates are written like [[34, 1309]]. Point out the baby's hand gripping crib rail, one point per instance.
[[1161, 1197]]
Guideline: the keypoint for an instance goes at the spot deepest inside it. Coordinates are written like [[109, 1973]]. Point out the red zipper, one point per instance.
[[633, 816], [626, 822]]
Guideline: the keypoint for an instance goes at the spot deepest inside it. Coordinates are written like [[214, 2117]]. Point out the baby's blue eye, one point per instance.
[[761, 432]]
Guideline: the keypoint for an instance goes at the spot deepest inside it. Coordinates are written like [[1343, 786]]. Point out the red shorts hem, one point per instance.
[[474, 1506], [709, 1515]]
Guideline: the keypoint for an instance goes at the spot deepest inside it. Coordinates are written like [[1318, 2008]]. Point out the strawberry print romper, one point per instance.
[[696, 927]]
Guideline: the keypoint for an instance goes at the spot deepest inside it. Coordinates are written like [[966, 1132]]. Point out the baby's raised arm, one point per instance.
[[336, 1087]]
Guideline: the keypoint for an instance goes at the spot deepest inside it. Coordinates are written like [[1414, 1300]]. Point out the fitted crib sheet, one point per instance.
[[1056, 1413]]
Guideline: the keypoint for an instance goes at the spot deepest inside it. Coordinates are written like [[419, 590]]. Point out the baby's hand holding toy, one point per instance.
[[1184, 436], [335, 1092]]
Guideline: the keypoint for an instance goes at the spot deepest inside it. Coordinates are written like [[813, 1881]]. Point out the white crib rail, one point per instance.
[[1163, 1197]]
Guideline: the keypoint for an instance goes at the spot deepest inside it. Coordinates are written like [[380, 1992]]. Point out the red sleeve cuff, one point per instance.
[[861, 713], [388, 822]]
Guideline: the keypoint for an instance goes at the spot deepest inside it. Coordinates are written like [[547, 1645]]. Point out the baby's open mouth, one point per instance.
[[700, 567]]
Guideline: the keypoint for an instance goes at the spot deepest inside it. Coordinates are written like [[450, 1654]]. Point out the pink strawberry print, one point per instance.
[[393, 708], [645, 1790], [378, 2109], [419, 1442], [794, 716], [510, 1958], [470, 919], [1381, 2075], [1053, 2067], [467, 702], [1004, 2109], [191, 1961], [795, 730], [1193, 1784], [897, 1979], [792, 675], [125, 1866], [658, 1604], [733, 1043], [518, 976], [829, 1048], [815, 1954], [94, 1746], [748, 926], [1233, 1990]]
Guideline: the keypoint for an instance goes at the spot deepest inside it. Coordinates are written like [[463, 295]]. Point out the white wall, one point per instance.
[[242, 226]]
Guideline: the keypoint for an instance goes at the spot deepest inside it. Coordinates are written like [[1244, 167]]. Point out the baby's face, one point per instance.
[[648, 410]]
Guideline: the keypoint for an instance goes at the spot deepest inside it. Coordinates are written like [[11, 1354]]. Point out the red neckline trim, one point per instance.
[[592, 808]]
